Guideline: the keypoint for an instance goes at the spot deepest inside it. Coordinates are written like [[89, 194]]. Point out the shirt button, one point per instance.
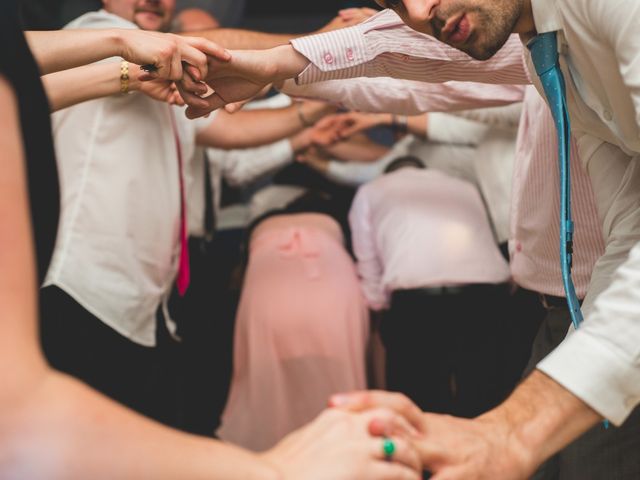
[[349, 53], [608, 116], [328, 58]]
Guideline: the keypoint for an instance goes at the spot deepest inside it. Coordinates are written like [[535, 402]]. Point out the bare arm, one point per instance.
[[253, 128], [46, 417], [53, 426], [76, 85], [239, 39], [509, 442], [58, 50]]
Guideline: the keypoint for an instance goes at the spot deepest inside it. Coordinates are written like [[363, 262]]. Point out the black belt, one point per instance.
[[443, 291], [551, 301]]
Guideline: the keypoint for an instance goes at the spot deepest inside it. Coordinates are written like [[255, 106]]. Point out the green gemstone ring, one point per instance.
[[388, 448]]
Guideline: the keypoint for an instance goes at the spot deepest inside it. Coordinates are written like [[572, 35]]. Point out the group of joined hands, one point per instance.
[[205, 76]]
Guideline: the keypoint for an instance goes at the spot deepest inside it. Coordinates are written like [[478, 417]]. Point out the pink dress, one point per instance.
[[301, 330]]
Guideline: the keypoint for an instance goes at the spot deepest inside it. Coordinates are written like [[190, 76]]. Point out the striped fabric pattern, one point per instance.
[[383, 46], [533, 244]]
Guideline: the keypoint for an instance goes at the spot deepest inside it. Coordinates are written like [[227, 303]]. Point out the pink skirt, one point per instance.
[[301, 333]]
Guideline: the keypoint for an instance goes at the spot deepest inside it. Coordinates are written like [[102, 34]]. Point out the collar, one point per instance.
[[546, 15]]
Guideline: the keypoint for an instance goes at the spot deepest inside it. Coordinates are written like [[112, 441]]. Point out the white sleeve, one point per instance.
[[357, 173], [448, 128], [600, 363], [245, 165]]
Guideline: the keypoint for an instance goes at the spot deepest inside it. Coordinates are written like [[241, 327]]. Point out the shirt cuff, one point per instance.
[[591, 370], [333, 55]]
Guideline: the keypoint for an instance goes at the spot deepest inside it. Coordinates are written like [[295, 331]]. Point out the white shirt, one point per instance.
[[117, 246], [600, 363], [239, 167], [599, 44], [421, 228]]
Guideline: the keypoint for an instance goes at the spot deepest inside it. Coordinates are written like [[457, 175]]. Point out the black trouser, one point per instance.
[[78, 343], [600, 453], [444, 350], [205, 318]]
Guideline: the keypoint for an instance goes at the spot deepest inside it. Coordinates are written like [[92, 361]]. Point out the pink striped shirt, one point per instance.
[[383, 46], [534, 240], [406, 97], [393, 49]]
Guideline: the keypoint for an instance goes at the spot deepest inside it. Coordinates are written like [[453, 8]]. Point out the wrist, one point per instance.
[[134, 77], [288, 62], [540, 418], [116, 39]]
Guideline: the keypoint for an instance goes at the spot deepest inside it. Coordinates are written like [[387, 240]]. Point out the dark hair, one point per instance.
[[404, 161], [392, 3]]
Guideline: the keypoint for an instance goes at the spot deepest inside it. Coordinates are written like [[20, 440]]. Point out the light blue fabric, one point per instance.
[[544, 53]]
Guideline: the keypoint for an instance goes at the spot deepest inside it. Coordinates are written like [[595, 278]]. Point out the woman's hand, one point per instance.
[[170, 54], [337, 446]]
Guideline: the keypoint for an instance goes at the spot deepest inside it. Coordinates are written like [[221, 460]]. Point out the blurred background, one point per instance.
[[267, 15]]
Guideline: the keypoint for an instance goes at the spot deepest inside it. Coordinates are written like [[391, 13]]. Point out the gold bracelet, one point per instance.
[[124, 77]]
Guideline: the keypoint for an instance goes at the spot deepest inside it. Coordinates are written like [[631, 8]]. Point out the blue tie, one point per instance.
[[544, 53]]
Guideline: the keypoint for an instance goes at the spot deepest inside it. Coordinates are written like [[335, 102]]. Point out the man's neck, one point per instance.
[[525, 26]]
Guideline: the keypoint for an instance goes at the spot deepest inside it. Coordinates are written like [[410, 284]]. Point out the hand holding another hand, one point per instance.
[[242, 77], [169, 54], [451, 448], [337, 446]]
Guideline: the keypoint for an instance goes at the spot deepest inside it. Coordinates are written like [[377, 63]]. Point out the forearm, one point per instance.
[[64, 429], [378, 47], [404, 96], [58, 50], [238, 39], [540, 418], [69, 87], [254, 128]]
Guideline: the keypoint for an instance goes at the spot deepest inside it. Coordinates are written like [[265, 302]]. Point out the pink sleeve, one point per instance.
[[390, 95], [370, 269], [384, 46]]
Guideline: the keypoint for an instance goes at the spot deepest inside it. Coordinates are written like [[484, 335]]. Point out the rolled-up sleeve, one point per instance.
[[600, 362]]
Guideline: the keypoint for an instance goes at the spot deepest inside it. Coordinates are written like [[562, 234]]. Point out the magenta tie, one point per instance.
[[183, 267]]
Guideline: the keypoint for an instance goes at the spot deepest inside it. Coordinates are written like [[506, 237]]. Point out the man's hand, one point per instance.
[[507, 443], [326, 131], [169, 54], [348, 124], [450, 448], [244, 76]]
